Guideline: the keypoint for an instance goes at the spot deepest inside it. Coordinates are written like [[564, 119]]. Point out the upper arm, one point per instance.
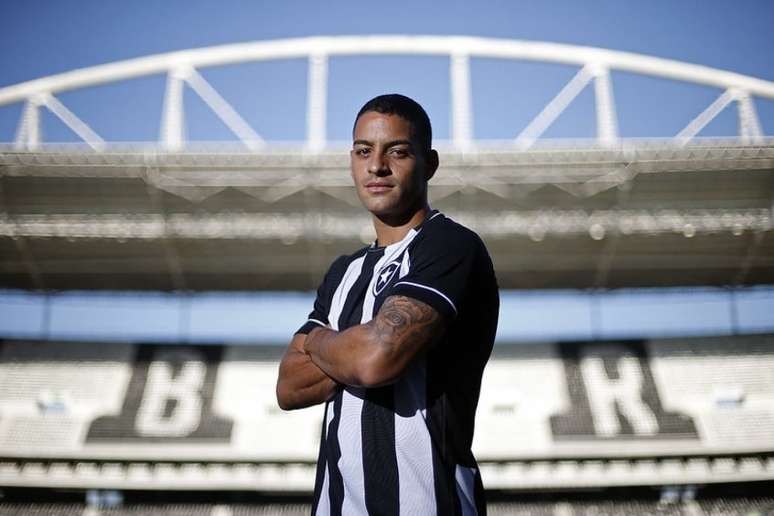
[[403, 329], [445, 266]]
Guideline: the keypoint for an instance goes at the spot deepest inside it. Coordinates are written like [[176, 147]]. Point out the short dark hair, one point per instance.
[[406, 108]]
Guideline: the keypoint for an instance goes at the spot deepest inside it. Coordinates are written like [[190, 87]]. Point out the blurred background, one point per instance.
[[174, 183]]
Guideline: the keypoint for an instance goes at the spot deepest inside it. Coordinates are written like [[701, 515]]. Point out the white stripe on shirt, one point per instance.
[[342, 291]]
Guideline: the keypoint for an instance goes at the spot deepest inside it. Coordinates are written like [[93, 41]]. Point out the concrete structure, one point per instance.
[[253, 214]]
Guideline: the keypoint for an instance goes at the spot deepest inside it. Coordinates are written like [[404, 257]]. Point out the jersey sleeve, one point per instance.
[[441, 271], [322, 303]]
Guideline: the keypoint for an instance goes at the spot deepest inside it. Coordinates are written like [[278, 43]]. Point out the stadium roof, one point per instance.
[[255, 214], [640, 213]]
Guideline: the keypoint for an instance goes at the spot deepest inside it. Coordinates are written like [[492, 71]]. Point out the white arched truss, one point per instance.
[[181, 70]]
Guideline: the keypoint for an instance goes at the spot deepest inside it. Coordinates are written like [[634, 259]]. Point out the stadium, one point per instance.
[[634, 367]]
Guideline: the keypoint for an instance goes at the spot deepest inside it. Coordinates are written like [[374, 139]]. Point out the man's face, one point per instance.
[[389, 169]]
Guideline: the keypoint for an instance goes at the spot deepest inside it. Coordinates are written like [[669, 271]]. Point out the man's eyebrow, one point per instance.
[[400, 142], [388, 144]]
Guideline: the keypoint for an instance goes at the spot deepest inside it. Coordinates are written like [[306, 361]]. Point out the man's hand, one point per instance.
[[377, 353], [300, 383]]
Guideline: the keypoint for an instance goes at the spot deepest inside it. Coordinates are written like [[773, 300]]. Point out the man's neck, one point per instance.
[[389, 232]]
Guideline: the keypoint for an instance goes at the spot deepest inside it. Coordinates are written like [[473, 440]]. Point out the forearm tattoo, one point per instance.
[[403, 318]]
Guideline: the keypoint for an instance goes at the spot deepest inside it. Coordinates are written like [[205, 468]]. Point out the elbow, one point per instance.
[[285, 404], [283, 401], [285, 398]]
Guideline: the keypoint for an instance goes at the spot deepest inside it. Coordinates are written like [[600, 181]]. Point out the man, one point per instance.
[[398, 338]]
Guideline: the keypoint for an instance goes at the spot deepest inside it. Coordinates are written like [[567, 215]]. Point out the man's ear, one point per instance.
[[431, 165]]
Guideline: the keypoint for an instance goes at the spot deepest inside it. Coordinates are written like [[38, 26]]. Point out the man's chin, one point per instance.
[[381, 214], [377, 208]]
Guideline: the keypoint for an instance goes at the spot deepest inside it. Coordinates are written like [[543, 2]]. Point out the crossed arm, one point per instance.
[[368, 355]]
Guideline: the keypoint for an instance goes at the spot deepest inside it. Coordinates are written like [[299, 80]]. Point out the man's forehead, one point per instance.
[[375, 122]]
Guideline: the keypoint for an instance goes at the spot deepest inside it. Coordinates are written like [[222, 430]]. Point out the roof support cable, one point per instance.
[[553, 109], [704, 118], [224, 110], [77, 125]]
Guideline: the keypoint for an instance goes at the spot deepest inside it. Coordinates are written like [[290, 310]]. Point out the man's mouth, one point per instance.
[[378, 187]]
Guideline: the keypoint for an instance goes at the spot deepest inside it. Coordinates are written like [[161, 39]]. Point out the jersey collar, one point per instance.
[[430, 215]]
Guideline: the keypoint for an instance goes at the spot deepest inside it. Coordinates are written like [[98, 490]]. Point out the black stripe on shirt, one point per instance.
[[439, 419], [321, 463], [380, 463], [335, 481]]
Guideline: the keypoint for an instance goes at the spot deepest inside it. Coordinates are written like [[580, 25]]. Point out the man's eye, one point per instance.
[[401, 153], [362, 152]]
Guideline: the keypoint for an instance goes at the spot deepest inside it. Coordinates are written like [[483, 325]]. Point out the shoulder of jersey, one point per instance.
[[346, 258], [341, 263], [448, 232]]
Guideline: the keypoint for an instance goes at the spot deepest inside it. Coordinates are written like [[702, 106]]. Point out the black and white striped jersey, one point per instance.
[[405, 448]]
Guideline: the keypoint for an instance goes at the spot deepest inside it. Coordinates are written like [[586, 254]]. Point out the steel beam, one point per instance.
[[173, 122], [462, 111], [180, 66], [607, 125], [705, 117], [78, 126], [28, 132], [381, 45], [224, 110], [749, 125], [317, 98], [553, 109]]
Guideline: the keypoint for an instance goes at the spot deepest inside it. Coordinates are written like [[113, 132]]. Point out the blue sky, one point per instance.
[[40, 38]]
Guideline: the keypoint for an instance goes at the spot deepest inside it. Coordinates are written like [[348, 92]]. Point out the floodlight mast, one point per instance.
[[181, 69]]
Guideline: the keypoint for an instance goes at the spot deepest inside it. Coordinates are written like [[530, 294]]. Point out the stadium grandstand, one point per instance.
[[634, 367]]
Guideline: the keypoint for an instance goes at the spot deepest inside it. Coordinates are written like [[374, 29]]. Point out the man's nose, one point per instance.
[[378, 164]]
